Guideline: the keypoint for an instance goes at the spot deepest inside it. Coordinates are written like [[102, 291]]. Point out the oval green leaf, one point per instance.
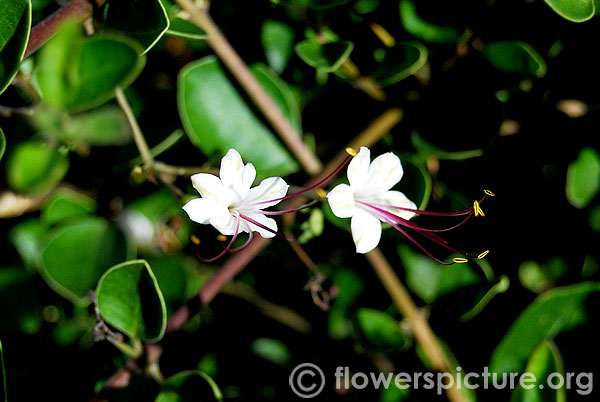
[[272, 350], [145, 21], [15, 25], [415, 25], [326, 57], [179, 27], [380, 330], [130, 300], [75, 256], [66, 204], [36, 168], [187, 386], [400, 62], [216, 118], [553, 312], [573, 10], [515, 57], [583, 178], [277, 40]]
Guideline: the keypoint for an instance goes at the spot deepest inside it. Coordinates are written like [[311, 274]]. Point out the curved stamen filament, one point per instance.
[[228, 248], [268, 229], [287, 211], [246, 243]]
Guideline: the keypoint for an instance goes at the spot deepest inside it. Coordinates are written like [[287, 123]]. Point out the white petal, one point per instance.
[[234, 175], [398, 199], [210, 186], [341, 201], [202, 210], [227, 224], [263, 220], [269, 189], [385, 172], [358, 169], [248, 176], [366, 231]]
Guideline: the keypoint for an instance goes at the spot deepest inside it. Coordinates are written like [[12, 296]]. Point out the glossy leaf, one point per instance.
[[35, 167], [430, 280], [75, 255], [415, 25], [515, 57], [583, 178], [380, 330], [66, 204], [400, 62], [573, 10], [2, 144], [272, 350], [179, 27], [277, 41], [75, 73], [15, 25], [553, 312], [216, 118], [145, 21], [130, 300], [326, 57], [187, 386], [26, 237]]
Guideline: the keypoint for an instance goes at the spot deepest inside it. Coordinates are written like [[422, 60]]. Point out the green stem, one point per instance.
[[138, 136]]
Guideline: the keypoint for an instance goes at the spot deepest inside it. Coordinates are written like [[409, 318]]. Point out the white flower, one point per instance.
[[368, 199], [230, 204]]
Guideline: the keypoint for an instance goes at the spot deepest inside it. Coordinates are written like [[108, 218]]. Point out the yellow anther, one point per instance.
[[488, 192], [477, 209], [384, 36], [195, 239], [321, 193], [221, 237], [482, 255], [460, 260], [351, 151]]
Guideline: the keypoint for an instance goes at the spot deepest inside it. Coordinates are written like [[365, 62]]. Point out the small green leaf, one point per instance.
[[180, 27], [2, 144], [583, 178], [26, 237], [415, 25], [130, 300], [313, 227], [430, 280], [515, 57], [326, 57], [381, 330], [66, 204], [553, 312], [573, 10], [400, 62], [171, 277], [76, 73], [277, 41], [75, 256], [216, 118], [187, 386], [350, 286], [143, 20], [15, 25], [272, 350], [35, 167]]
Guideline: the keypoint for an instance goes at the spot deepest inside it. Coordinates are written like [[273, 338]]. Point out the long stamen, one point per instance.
[[463, 212], [287, 211], [268, 229], [228, 248], [246, 243]]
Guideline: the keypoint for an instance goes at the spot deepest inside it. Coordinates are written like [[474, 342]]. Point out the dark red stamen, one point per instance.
[[268, 229], [222, 253], [287, 211]]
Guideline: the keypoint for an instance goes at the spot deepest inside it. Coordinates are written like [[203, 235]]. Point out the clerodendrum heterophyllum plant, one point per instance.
[[232, 205]]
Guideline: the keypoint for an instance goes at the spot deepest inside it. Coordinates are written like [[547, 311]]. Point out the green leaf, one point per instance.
[[216, 118], [171, 277], [106, 125], [553, 312], [394, 393], [145, 21], [15, 25], [187, 386], [573, 10], [76, 73], [583, 178], [26, 237], [2, 144], [381, 330], [272, 350], [350, 286], [515, 57], [400, 62], [416, 26], [544, 360], [66, 204], [277, 41], [180, 27], [2, 375], [35, 167], [130, 300], [326, 57], [430, 280], [75, 256]]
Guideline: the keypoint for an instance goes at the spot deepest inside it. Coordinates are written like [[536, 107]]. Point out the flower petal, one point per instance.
[[234, 175], [366, 231], [358, 169], [385, 172], [210, 186], [263, 220], [341, 201], [202, 210], [270, 188], [398, 199], [226, 224]]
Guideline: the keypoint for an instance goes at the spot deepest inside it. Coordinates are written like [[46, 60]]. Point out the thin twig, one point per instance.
[[138, 137]]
